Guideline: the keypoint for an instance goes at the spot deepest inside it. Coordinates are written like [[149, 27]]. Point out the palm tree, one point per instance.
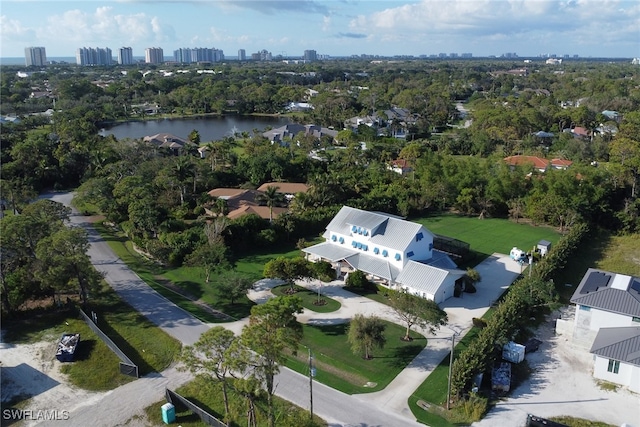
[[271, 197]]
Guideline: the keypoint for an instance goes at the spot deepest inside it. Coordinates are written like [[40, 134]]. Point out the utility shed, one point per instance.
[[544, 246]]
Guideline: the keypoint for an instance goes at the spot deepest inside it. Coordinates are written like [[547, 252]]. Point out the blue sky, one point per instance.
[[597, 28]]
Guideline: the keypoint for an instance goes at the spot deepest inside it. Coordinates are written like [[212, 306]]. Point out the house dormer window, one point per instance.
[[419, 236], [398, 257], [410, 254]]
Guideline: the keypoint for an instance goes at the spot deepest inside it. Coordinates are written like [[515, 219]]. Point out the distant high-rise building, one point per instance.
[[467, 55], [263, 55], [242, 55], [91, 56], [36, 56], [198, 54], [182, 55], [125, 56], [153, 55], [310, 55]]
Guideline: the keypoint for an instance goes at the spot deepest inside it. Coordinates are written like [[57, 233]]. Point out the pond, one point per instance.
[[210, 128]]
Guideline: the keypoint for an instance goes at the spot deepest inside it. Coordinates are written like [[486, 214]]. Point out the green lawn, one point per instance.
[[181, 285], [603, 250], [309, 299], [337, 366], [208, 395], [486, 236], [434, 389], [96, 366]]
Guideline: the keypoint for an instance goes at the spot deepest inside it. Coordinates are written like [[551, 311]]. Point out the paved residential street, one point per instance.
[[384, 408]]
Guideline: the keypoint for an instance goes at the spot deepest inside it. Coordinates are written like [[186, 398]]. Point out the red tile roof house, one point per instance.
[[540, 164], [400, 166], [243, 202]]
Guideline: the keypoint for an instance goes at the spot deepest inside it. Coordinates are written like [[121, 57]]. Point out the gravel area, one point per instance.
[[562, 384]]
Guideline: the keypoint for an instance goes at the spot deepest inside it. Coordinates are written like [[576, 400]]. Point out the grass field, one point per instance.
[[486, 236], [190, 281], [309, 299], [338, 367], [96, 366], [207, 394], [601, 250]]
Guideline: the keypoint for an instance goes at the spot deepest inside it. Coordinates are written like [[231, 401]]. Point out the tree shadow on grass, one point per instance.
[[332, 329], [403, 355], [84, 349], [131, 352]]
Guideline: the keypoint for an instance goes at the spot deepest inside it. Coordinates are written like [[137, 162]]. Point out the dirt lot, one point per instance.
[[562, 384], [31, 378]]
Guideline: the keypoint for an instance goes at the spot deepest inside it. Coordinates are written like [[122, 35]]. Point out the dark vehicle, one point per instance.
[[533, 421], [67, 347], [532, 345]]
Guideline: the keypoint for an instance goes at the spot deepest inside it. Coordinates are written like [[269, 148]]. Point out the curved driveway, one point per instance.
[[120, 406]]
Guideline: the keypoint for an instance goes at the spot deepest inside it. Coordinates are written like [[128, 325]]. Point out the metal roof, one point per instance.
[[385, 230], [330, 251], [425, 278], [440, 260], [599, 294], [372, 265], [622, 343]]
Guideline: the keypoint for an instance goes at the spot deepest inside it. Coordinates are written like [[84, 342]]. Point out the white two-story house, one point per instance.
[[399, 253], [607, 320]]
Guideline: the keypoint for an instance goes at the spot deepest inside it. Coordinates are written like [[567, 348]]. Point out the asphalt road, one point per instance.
[[121, 405]]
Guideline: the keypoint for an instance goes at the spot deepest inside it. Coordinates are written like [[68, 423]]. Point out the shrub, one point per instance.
[[322, 270], [358, 280], [479, 323], [524, 298], [470, 410]]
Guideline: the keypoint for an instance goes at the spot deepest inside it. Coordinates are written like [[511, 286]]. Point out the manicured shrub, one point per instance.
[[525, 298], [358, 280], [479, 323], [322, 270]]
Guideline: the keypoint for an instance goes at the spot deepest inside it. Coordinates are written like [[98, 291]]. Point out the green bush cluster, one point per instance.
[[358, 280], [525, 297]]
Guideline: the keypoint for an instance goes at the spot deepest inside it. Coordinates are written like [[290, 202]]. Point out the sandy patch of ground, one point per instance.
[[562, 384], [31, 380]]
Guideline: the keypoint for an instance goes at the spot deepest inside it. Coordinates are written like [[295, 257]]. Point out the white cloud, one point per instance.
[[326, 23], [11, 29], [575, 21], [103, 26]]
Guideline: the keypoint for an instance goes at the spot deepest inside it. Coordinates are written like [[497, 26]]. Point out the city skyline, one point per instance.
[[335, 28]]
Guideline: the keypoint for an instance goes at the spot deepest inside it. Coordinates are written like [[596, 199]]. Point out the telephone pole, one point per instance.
[[453, 344], [311, 375]]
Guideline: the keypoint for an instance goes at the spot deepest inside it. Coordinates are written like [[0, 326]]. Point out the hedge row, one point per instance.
[[525, 297]]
